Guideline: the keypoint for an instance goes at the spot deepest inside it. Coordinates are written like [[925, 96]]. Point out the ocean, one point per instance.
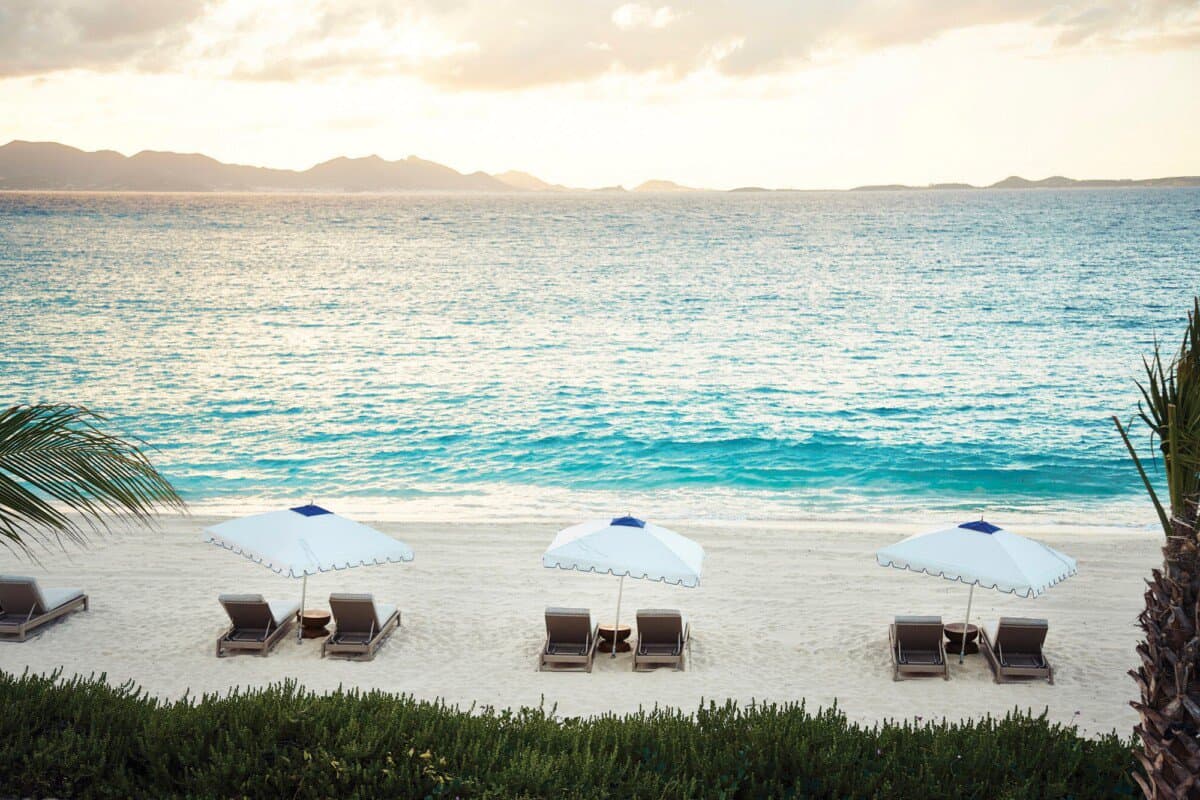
[[716, 356]]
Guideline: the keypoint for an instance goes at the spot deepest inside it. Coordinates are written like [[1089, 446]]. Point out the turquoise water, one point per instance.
[[709, 355]]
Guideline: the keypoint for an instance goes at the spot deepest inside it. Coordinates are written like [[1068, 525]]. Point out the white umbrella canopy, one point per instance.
[[302, 541], [981, 554], [627, 547]]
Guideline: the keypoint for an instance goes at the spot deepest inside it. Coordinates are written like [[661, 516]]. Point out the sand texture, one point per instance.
[[783, 613]]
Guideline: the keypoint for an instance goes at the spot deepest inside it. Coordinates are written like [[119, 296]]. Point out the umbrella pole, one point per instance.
[[966, 625], [300, 627], [617, 624]]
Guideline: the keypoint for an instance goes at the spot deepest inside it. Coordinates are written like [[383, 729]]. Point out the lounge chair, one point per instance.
[[1016, 652], [257, 624], [362, 626], [663, 637], [25, 606], [918, 647], [571, 640]]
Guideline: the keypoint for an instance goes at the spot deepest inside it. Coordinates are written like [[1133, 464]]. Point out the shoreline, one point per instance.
[[566, 507]]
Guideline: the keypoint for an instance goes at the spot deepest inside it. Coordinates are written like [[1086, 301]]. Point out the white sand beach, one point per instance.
[[785, 612]]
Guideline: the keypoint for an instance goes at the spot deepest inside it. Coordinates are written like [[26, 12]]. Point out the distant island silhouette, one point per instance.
[[1053, 182], [50, 166]]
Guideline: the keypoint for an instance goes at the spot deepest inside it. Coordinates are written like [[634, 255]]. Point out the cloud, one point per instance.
[[511, 44], [632, 15], [40, 36]]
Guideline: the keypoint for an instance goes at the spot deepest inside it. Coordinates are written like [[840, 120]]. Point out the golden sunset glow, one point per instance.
[[709, 94]]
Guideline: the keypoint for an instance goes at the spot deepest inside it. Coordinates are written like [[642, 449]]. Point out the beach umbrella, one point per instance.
[[627, 547], [302, 541], [981, 554]]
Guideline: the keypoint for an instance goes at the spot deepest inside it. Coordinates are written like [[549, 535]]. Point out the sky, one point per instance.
[[709, 93]]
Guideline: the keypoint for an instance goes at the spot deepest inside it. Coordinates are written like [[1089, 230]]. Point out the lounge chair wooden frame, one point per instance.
[[568, 661], [902, 666], [1033, 633], [655, 626], [260, 641], [15, 626], [358, 645]]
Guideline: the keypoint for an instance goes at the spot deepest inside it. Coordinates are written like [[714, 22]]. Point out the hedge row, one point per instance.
[[81, 738]]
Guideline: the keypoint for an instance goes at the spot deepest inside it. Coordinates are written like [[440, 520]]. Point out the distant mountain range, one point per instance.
[[58, 167], [48, 165], [1054, 182]]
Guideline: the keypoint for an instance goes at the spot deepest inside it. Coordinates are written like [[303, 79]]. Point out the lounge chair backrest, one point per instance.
[[919, 633], [659, 626], [248, 611], [21, 595], [1021, 635], [355, 613], [568, 625]]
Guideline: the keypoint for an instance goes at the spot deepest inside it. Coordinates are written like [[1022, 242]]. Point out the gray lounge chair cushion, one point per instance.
[[281, 610], [54, 598], [383, 612]]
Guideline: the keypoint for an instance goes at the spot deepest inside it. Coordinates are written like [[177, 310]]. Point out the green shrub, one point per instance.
[[81, 738]]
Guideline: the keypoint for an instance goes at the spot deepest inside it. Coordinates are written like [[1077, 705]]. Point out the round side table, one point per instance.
[[606, 638], [313, 622], [954, 638]]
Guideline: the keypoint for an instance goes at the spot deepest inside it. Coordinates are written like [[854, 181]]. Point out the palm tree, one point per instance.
[[62, 476], [1169, 675]]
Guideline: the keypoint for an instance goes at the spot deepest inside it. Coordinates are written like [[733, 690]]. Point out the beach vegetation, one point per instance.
[[83, 738]]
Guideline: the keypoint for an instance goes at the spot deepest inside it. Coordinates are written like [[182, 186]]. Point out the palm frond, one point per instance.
[[62, 475], [1163, 518], [1170, 409]]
